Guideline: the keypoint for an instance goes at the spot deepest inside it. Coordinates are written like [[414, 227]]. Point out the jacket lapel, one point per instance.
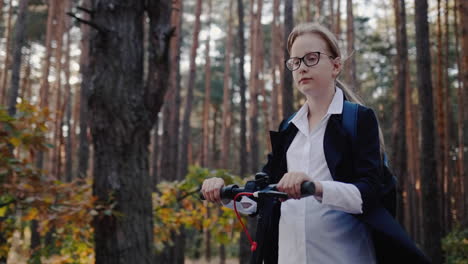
[[280, 142], [334, 144]]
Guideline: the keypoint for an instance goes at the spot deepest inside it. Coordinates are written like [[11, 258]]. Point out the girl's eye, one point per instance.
[[311, 58]]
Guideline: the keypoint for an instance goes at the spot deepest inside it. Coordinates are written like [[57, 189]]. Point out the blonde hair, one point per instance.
[[335, 52]]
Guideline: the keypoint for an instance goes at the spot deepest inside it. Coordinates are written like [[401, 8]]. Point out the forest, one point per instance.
[[114, 112]]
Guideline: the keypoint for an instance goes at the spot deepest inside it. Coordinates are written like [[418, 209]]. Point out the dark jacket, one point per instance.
[[361, 167]]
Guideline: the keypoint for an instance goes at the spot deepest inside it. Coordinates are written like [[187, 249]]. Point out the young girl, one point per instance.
[[344, 221]]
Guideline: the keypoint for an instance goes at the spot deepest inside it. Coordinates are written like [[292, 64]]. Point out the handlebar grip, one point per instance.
[[307, 188], [227, 192]]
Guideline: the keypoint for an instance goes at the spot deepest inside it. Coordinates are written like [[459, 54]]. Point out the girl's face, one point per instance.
[[315, 80]]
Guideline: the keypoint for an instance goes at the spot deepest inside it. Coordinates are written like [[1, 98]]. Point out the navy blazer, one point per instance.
[[361, 167]]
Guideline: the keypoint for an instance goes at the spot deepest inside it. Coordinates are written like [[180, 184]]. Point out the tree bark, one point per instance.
[[186, 130], [123, 111], [227, 95], [288, 99], [56, 160], [275, 67], [83, 151], [430, 185], [243, 252], [460, 190], [18, 43], [338, 20], [6, 65], [172, 102], [207, 103], [350, 63], [242, 90], [68, 112], [400, 147], [463, 12]]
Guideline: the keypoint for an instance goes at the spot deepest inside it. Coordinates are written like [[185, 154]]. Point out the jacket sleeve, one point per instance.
[[367, 160]]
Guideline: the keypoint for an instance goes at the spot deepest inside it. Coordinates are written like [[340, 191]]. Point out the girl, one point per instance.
[[344, 221]]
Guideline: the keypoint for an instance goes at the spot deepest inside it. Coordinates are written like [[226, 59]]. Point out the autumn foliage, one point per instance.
[[64, 210]]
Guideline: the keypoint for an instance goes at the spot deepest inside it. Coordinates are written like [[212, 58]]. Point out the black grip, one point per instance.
[[307, 188], [227, 192]]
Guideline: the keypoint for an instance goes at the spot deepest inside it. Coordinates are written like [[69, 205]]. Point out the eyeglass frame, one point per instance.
[[301, 60]]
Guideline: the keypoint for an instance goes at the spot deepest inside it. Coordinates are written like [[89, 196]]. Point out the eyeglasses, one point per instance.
[[310, 59]]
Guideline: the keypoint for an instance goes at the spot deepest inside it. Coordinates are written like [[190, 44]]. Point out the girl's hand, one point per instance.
[[291, 184], [211, 189]]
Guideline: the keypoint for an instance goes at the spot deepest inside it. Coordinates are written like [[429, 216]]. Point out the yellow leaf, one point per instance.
[[3, 211], [15, 141]]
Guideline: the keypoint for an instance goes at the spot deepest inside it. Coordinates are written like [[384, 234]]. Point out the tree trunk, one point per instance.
[[338, 20], [430, 185], [56, 160], [18, 43], [123, 111], [68, 112], [227, 95], [449, 124], [288, 100], [172, 102], [44, 90], [207, 104], [460, 190], [463, 12], [275, 66], [440, 112], [318, 10], [83, 151], [155, 175], [186, 130], [25, 87], [400, 146], [331, 15], [242, 90], [351, 61], [6, 66], [243, 251]]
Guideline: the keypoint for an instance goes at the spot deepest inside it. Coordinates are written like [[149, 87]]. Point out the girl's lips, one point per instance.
[[305, 80]]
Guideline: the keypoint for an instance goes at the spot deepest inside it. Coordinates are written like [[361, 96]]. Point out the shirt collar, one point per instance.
[[301, 121]]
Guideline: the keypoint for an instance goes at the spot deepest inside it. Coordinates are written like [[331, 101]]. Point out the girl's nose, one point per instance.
[[303, 68]]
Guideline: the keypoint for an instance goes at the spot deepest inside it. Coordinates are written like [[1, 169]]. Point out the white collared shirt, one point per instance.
[[313, 231]]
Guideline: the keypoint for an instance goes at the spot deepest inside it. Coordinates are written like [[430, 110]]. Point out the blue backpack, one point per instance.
[[389, 181]]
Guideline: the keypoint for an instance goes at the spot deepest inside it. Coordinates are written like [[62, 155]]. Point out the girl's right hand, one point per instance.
[[211, 189]]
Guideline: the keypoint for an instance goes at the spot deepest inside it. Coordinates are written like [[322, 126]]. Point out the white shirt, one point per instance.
[[313, 231]]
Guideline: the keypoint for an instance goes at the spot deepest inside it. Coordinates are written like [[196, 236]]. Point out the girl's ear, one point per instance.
[[337, 66]]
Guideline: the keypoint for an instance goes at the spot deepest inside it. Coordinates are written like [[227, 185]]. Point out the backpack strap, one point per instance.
[[284, 125], [350, 111]]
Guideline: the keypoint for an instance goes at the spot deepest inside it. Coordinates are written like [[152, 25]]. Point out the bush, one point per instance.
[[455, 246]]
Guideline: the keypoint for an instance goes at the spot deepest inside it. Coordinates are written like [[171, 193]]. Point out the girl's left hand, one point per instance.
[[291, 184]]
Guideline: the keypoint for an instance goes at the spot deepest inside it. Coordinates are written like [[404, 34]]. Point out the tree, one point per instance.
[[227, 95], [463, 11], [430, 185], [123, 111], [351, 61], [242, 90], [288, 100], [399, 140], [6, 65], [207, 103], [184, 152], [83, 151], [18, 43], [460, 120]]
